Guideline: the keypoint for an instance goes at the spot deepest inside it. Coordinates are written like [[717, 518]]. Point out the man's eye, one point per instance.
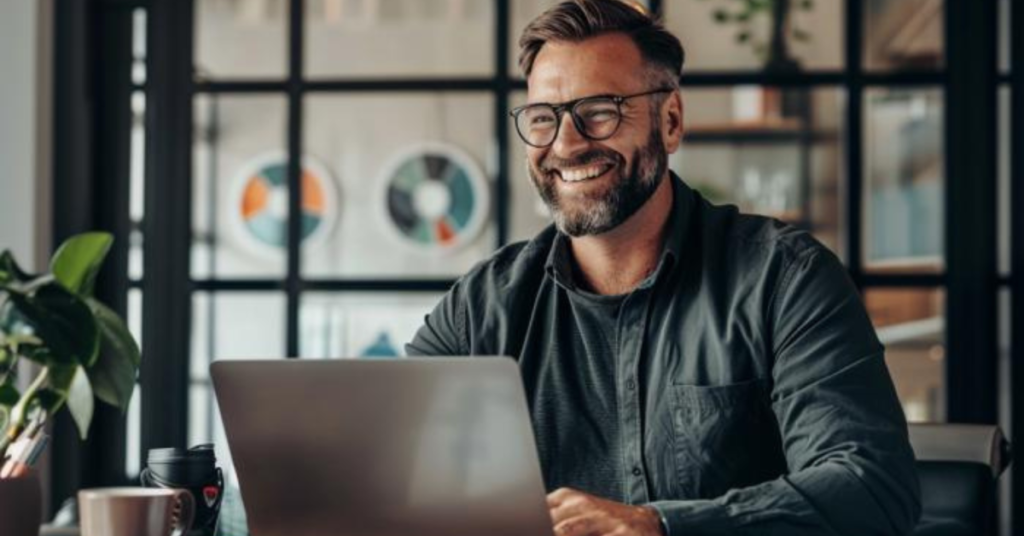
[[600, 115], [541, 120]]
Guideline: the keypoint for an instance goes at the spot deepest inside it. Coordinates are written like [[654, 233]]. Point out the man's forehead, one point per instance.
[[565, 70]]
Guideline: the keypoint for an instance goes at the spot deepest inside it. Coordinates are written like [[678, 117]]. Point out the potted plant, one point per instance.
[[80, 348], [744, 13]]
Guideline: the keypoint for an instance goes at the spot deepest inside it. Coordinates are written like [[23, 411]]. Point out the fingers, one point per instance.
[[583, 525], [564, 503], [556, 497]]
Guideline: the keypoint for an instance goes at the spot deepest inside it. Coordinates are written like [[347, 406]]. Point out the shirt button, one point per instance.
[[637, 471], [631, 385]]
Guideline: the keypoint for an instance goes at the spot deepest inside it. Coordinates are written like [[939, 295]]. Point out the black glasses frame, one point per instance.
[[571, 106]]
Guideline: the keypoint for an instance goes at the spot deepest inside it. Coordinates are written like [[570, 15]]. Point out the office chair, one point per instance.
[[958, 466]]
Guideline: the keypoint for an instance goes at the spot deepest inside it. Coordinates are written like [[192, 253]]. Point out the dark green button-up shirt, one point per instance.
[[739, 389]]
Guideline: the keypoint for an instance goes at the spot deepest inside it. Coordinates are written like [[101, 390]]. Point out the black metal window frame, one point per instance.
[[969, 86], [970, 278]]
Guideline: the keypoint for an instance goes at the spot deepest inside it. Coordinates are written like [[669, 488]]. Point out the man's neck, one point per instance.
[[616, 262]]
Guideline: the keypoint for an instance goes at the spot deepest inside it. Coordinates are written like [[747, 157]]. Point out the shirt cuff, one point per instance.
[[661, 519], [693, 518]]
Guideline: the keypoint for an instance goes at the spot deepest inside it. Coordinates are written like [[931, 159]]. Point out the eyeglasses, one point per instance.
[[596, 118]]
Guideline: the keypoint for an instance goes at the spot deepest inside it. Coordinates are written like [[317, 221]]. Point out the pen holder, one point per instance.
[[20, 505], [194, 470]]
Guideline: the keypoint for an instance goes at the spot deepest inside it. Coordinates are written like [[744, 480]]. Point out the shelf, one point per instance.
[[775, 132]]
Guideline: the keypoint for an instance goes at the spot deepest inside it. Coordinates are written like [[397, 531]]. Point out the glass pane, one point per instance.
[[903, 34], [240, 193], [769, 151], [411, 181], [1005, 228], [241, 39], [133, 432], [133, 436], [725, 35], [139, 46], [911, 324], [362, 324], [905, 177], [403, 38], [236, 325], [137, 182]]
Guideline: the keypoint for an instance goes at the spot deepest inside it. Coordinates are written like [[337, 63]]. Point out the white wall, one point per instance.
[[18, 100]]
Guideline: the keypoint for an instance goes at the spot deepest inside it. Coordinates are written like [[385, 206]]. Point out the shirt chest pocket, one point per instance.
[[724, 437]]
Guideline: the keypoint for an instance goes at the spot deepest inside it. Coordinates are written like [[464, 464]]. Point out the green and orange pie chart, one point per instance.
[[263, 202]]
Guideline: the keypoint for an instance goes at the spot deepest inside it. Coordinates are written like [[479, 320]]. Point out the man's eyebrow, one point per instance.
[[594, 96]]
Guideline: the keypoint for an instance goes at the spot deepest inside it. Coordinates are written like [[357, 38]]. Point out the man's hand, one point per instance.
[[575, 513]]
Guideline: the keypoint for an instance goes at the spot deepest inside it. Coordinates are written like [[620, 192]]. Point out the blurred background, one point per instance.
[[306, 178]]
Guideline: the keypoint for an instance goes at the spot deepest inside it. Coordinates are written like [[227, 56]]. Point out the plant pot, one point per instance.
[[20, 506]]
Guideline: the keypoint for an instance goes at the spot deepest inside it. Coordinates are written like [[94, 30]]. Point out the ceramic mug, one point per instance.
[[135, 511]]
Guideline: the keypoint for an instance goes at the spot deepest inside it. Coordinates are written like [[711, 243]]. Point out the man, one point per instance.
[[689, 370]]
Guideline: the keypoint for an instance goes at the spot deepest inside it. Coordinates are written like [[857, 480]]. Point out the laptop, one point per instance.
[[349, 447]]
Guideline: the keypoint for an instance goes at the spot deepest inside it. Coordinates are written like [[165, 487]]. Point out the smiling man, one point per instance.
[[690, 370]]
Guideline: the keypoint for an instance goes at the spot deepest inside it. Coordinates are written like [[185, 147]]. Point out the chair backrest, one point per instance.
[[958, 465]]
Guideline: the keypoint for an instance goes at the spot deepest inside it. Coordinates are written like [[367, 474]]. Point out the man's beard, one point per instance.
[[600, 212]]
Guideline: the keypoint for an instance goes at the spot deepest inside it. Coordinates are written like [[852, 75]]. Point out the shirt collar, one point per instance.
[[559, 261]]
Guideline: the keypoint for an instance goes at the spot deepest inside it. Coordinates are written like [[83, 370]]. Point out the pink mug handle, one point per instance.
[[184, 511]]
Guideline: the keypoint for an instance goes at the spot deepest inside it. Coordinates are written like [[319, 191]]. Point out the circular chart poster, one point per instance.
[[260, 202], [436, 197]]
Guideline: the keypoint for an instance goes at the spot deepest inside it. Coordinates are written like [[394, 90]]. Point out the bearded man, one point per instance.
[[689, 370]]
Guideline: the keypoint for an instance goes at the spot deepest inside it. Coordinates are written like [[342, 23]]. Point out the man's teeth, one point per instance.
[[582, 174]]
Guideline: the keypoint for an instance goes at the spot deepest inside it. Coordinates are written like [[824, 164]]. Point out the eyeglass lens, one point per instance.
[[598, 117]]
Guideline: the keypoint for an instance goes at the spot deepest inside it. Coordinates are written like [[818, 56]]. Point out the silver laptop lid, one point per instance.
[[439, 446]]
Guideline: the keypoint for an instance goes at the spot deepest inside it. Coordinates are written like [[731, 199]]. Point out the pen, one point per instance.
[[30, 454]]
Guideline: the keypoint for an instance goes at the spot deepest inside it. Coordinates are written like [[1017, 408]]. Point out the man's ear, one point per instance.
[[672, 122]]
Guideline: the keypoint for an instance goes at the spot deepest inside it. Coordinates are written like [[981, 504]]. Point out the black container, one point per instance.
[[194, 469]]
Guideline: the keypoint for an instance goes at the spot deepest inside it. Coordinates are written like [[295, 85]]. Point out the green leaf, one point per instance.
[[721, 16], [114, 373], [9, 397], [73, 383], [78, 260], [63, 321], [10, 272], [743, 37], [49, 400], [807, 5], [9, 394], [7, 361]]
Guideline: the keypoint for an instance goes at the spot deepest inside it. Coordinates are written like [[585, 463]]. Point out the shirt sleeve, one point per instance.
[[444, 330], [851, 468]]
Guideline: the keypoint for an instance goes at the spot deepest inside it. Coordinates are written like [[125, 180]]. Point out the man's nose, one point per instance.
[[569, 140]]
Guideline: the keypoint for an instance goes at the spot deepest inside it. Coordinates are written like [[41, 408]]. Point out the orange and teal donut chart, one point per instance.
[[263, 202]]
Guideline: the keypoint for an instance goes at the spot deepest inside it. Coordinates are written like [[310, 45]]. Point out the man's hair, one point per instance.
[[577, 20]]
